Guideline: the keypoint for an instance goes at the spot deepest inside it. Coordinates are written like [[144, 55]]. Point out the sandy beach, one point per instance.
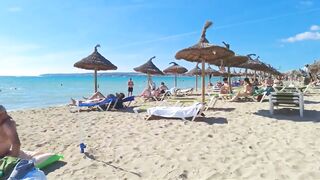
[[236, 140]]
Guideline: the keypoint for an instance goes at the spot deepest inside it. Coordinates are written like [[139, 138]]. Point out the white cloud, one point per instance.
[[315, 28], [306, 3], [303, 36], [313, 34], [14, 9]]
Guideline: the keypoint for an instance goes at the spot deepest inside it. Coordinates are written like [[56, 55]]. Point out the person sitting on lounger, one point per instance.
[[278, 82], [97, 95], [95, 98], [268, 85], [163, 88], [247, 91], [225, 88], [76, 102], [146, 93]]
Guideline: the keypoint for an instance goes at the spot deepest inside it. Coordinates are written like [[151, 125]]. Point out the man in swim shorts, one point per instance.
[[130, 87]]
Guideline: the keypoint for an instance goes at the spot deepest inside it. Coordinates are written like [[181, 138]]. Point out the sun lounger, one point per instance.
[[184, 91], [176, 112], [210, 102], [104, 102], [280, 98], [128, 99]]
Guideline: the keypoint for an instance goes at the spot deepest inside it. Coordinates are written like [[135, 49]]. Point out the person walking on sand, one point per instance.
[[130, 87]]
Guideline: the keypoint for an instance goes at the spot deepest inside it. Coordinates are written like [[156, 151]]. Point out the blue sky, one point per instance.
[[39, 36]]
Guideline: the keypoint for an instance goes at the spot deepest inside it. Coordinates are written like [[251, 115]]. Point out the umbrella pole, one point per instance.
[[229, 79], [175, 80], [148, 81], [196, 82], [246, 72], [203, 82], [95, 81]]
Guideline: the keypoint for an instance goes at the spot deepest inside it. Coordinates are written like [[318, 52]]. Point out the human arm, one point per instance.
[[10, 130]]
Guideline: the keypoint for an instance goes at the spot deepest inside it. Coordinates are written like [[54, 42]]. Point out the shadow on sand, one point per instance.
[[53, 167], [208, 120], [291, 115], [90, 156], [212, 120], [222, 109], [311, 102]]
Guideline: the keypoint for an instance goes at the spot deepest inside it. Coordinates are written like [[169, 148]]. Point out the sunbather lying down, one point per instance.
[[96, 98], [247, 91]]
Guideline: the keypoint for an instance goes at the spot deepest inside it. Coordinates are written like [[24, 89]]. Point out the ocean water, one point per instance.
[[50, 90]]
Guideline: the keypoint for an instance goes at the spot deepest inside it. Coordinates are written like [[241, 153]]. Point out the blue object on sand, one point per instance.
[[82, 147]]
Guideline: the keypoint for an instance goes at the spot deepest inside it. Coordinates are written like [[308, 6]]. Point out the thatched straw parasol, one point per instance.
[[253, 64], [149, 68], [95, 62], [231, 61], [196, 71], [314, 69], [175, 69], [211, 72], [203, 52]]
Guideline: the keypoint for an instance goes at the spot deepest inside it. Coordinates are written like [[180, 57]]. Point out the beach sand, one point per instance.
[[238, 140]]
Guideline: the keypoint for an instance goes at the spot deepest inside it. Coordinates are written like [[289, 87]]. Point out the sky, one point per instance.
[[39, 37]]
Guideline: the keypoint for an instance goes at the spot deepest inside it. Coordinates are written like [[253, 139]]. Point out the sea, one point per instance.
[[31, 92]]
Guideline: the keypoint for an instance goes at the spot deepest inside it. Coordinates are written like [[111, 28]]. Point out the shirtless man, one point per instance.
[[9, 139]]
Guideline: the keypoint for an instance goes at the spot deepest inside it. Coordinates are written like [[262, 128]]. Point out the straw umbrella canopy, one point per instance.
[[314, 69], [203, 52], [175, 69], [149, 68], [196, 71], [253, 64], [231, 61], [211, 72], [96, 62]]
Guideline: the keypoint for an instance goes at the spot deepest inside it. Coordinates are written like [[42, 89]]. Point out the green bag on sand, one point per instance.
[[49, 160], [7, 164]]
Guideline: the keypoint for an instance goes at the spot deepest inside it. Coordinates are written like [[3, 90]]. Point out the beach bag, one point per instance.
[[21, 169], [7, 165], [35, 174]]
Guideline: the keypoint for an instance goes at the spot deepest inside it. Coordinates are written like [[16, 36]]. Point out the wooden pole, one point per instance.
[[175, 80], [148, 85], [95, 81], [229, 79], [197, 82], [203, 82]]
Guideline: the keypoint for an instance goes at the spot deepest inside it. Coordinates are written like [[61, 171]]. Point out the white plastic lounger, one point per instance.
[[176, 111], [184, 91], [278, 98]]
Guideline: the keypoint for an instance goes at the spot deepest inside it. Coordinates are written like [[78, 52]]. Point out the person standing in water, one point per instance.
[[130, 87]]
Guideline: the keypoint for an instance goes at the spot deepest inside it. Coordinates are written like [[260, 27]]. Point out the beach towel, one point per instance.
[[175, 112], [7, 165]]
